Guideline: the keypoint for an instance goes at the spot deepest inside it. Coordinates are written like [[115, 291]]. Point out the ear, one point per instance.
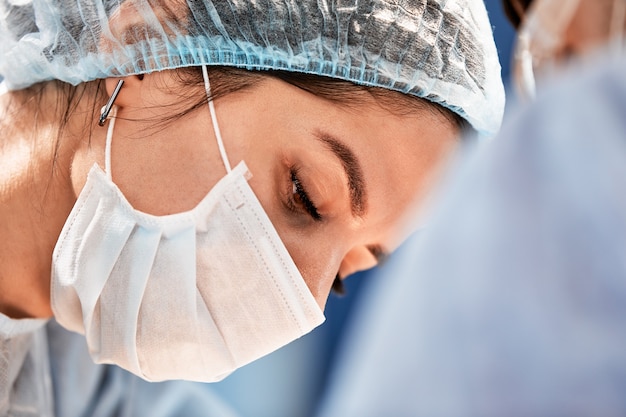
[[130, 93]]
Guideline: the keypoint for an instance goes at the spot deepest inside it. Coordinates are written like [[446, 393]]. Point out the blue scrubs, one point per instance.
[[513, 302]]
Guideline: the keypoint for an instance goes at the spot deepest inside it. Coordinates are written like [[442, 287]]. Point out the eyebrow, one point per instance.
[[354, 172]]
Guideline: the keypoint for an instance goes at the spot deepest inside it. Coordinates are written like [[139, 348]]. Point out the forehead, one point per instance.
[[400, 146], [396, 145], [351, 95]]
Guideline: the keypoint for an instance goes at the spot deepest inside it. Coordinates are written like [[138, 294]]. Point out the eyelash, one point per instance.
[[305, 202]]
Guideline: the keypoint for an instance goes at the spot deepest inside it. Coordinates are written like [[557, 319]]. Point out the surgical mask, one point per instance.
[[193, 295], [543, 34]]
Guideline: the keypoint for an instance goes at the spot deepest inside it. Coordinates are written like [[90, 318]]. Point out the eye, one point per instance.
[[299, 200]]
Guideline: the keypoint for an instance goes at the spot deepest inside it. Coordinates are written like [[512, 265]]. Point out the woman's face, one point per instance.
[[334, 179]]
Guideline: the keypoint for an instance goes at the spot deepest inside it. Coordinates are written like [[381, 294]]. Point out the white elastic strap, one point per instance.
[[216, 128], [109, 139], [524, 76]]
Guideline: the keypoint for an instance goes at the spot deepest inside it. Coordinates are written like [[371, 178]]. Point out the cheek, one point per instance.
[[316, 248], [317, 254]]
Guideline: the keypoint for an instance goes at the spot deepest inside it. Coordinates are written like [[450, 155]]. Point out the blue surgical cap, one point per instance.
[[440, 50]]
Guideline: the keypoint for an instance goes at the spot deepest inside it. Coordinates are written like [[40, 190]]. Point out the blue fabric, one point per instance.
[[513, 301], [84, 389]]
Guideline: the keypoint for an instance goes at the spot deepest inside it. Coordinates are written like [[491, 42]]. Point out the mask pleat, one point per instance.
[[104, 232], [170, 320], [123, 297]]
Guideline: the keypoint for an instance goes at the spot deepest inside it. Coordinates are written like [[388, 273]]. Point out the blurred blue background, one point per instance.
[[291, 382]]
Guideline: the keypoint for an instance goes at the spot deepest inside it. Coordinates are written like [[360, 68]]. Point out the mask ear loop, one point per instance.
[[524, 75], [109, 139], [216, 127]]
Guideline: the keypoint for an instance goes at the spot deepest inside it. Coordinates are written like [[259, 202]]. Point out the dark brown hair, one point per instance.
[[227, 80], [515, 10]]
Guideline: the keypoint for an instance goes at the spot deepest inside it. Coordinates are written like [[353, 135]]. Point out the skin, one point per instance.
[[274, 127]]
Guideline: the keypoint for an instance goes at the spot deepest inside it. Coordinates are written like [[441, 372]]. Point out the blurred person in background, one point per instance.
[[512, 302], [124, 220]]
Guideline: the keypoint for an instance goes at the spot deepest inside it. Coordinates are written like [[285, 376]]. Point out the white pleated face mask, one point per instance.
[[193, 295]]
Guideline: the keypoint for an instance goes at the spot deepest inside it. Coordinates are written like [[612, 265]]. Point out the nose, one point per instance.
[[357, 259]]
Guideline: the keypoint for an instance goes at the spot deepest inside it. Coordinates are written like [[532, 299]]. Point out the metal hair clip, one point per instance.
[[104, 113]]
